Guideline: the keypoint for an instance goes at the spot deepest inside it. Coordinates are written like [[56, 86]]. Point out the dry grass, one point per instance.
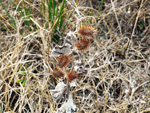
[[113, 73]]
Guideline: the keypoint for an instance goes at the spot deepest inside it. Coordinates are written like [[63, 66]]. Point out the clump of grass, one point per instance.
[[11, 18], [55, 10], [57, 16]]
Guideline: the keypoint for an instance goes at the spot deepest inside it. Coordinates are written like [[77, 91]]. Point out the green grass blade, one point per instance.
[[24, 82], [29, 10], [61, 16], [19, 9], [49, 10], [57, 8], [20, 80], [22, 73], [13, 21], [21, 12], [101, 5], [61, 21], [44, 8], [61, 9], [43, 11], [57, 18], [67, 21], [100, 9], [3, 27], [26, 14], [53, 10]]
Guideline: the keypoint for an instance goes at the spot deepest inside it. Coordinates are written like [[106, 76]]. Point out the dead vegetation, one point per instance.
[[113, 71]]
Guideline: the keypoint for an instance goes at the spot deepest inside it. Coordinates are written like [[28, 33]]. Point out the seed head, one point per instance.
[[72, 75], [86, 31], [57, 73], [63, 61], [83, 44]]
